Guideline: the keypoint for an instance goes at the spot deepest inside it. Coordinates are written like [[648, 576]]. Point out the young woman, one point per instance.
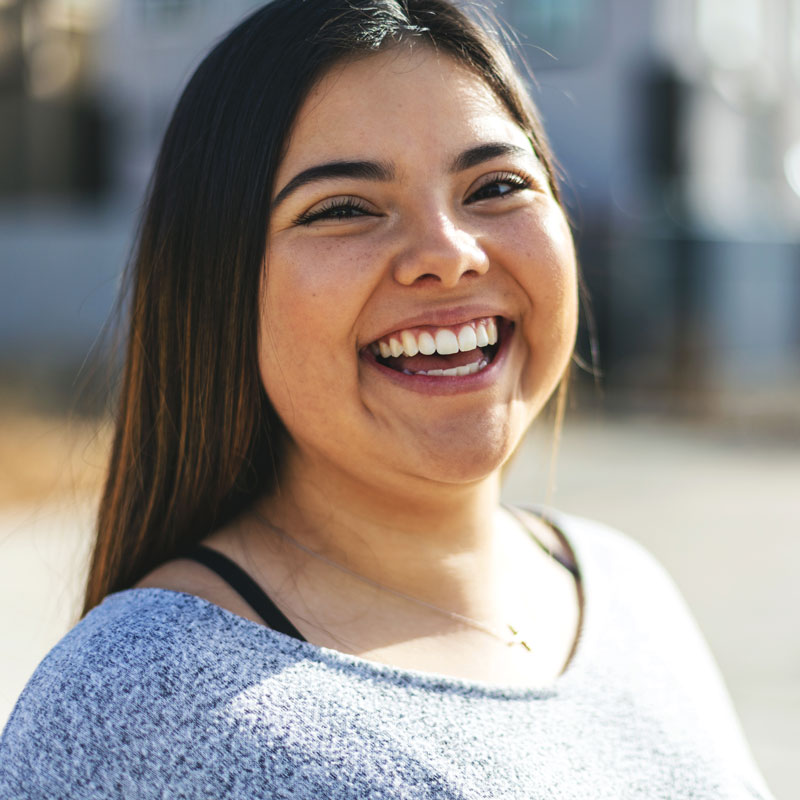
[[355, 288]]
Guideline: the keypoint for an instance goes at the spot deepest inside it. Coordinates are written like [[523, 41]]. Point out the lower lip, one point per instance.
[[447, 385]]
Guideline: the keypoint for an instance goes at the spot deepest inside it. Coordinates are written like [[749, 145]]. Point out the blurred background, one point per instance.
[[677, 124]]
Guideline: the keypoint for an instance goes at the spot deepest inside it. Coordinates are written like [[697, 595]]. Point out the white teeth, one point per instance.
[[455, 372], [446, 342], [410, 345], [467, 339], [427, 344]]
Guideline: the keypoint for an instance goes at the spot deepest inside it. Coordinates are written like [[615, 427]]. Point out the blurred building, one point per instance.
[[677, 123]]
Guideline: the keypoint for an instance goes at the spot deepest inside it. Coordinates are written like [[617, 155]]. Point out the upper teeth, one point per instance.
[[444, 341]]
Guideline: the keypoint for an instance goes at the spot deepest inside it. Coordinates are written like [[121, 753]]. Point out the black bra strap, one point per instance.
[[246, 587]]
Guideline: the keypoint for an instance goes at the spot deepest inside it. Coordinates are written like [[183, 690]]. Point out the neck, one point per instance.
[[432, 540]]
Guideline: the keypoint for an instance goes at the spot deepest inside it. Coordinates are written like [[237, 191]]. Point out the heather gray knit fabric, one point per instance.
[[158, 694]]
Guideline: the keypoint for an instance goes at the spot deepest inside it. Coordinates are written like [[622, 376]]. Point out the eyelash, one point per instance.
[[516, 180], [328, 210], [332, 209]]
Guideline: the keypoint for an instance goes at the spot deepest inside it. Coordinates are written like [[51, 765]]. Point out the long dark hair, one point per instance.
[[196, 437]]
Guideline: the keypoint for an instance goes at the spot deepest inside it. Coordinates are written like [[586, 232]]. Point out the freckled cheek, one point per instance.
[[312, 300], [544, 265], [542, 257]]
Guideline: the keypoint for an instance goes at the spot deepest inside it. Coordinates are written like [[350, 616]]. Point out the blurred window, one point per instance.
[[10, 46], [53, 131], [166, 12], [794, 42], [731, 33], [563, 33]]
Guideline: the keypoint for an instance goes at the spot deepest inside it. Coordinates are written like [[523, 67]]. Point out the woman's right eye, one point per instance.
[[335, 210]]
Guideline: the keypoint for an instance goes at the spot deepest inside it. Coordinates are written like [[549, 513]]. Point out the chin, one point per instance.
[[455, 454]]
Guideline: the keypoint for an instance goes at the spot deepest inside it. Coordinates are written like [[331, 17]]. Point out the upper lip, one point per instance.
[[443, 318]]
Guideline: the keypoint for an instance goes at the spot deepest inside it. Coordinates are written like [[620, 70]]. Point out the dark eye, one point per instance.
[[337, 209], [499, 185]]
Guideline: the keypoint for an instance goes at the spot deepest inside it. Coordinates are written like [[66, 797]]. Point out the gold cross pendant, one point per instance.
[[517, 638]]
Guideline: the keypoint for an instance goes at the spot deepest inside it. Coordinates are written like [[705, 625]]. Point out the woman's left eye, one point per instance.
[[501, 184]]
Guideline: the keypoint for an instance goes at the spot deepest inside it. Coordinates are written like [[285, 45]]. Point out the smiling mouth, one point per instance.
[[450, 351]]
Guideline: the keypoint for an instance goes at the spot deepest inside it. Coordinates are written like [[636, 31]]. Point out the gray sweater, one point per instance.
[[159, 694]]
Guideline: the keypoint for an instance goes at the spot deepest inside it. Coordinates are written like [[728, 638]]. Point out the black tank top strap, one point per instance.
[[520, 512], [246, 587]]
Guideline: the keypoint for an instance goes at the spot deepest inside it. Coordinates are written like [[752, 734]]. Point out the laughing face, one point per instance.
[[419, 293]]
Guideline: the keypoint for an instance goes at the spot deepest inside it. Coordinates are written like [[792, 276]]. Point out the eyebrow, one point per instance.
[[486, 152], [379, 171], [365, 170]]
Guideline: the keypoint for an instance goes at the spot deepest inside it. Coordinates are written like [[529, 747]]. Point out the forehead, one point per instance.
[[405, 103]]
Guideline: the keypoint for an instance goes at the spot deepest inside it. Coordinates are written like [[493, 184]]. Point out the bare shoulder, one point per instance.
[[191, 577]]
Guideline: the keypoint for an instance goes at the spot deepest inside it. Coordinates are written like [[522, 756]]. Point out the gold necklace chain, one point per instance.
[[514, 640]]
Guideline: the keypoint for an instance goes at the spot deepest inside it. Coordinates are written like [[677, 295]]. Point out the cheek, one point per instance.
[[311, 299], [546, 268], [299, 278], [319, 272], [548, 276]]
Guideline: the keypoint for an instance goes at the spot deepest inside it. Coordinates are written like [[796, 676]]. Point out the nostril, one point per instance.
[[428, 277], [441, 260]]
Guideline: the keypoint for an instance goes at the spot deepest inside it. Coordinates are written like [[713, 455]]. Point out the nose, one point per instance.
[[436, 249]]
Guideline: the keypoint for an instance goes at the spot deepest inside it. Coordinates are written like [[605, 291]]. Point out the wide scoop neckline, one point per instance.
[[422, 679]]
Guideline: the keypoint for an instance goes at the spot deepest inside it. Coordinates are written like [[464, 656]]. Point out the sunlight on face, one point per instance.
[[410, 205]]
